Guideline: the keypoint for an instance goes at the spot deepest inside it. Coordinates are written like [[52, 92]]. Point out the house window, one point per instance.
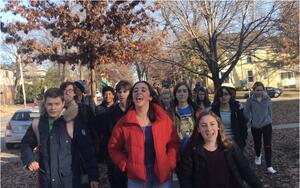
[[226, 79], [290, 75], [250, 76], [249, 58], [287, 75]]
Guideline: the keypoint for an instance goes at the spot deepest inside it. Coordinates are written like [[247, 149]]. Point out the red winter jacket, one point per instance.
[[126, 146]]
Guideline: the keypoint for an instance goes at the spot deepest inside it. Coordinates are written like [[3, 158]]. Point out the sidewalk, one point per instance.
[[283, 126], [286, 126]]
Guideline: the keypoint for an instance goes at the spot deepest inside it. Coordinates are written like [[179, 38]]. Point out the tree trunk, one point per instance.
[[191, 80], [80, 71], [63, 78], [217, 83], [93, 82], [146, 75], [138, 71], [22, 80], [59, 70]]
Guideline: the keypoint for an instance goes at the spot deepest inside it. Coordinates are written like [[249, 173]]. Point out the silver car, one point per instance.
[[18, 125]]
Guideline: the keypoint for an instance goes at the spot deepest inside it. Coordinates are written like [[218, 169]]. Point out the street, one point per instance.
[[5, 155], [2, 133]]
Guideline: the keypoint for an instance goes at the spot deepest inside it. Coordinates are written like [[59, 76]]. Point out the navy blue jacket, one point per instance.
[[59, 155]]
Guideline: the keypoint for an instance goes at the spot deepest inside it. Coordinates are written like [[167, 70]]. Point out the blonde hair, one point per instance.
[[222, 140]]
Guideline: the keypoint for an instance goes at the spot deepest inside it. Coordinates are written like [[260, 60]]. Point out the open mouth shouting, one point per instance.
[[141, 94], [139, 99]]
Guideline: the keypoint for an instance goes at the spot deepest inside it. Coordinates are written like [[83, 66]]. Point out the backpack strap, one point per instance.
[[35, 128], [70, 128]]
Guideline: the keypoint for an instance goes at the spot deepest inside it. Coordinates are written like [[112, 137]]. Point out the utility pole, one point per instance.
[[22, 80]]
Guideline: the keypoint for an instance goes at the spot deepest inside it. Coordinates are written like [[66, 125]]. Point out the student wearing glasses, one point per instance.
[[231, 113]]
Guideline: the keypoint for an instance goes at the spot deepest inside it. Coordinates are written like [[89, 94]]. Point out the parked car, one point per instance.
[[18, 125], [271, 91], [274, 92], [99, 96]]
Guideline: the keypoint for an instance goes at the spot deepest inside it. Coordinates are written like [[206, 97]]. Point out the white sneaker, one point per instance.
[[258, 160], [271, 170]]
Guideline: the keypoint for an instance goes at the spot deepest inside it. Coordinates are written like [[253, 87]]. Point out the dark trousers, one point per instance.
[[116, 177], [266, 132]]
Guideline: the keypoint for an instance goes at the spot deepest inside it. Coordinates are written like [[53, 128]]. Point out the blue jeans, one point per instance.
[[151, 182]]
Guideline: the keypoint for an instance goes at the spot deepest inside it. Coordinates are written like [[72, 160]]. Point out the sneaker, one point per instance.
[[258, 160], [271, 170]]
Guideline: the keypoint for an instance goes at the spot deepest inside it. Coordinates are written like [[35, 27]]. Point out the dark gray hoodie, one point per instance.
[[259, 112]]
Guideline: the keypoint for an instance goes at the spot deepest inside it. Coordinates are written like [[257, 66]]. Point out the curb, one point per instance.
[[282, 126], [286, 126]]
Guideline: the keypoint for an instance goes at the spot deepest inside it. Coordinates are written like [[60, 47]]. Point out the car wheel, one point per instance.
[[276, 95], [9, 145]]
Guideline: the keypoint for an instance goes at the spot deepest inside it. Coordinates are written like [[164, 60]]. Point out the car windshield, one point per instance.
[[25, 116]]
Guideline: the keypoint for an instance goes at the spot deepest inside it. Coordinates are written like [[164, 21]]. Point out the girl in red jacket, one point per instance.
[[144, 142]]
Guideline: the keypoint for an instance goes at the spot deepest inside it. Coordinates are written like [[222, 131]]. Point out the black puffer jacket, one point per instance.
[[238, 122], [193, 168]]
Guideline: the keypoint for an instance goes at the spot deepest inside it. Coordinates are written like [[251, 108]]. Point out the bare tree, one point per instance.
[[215, 33], [10, 56]]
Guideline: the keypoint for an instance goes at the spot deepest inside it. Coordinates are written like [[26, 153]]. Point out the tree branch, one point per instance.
[[180, 65]]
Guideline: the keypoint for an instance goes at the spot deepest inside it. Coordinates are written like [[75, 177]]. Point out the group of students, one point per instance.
[[144, 138]]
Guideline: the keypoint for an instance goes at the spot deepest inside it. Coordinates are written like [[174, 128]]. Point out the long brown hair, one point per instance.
[[155, 100], [189, 100], [222, 140], [206, 102], [219, 93]]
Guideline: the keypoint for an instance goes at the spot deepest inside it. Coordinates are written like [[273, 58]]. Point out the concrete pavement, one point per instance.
[[286, 126], [283, 126]]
